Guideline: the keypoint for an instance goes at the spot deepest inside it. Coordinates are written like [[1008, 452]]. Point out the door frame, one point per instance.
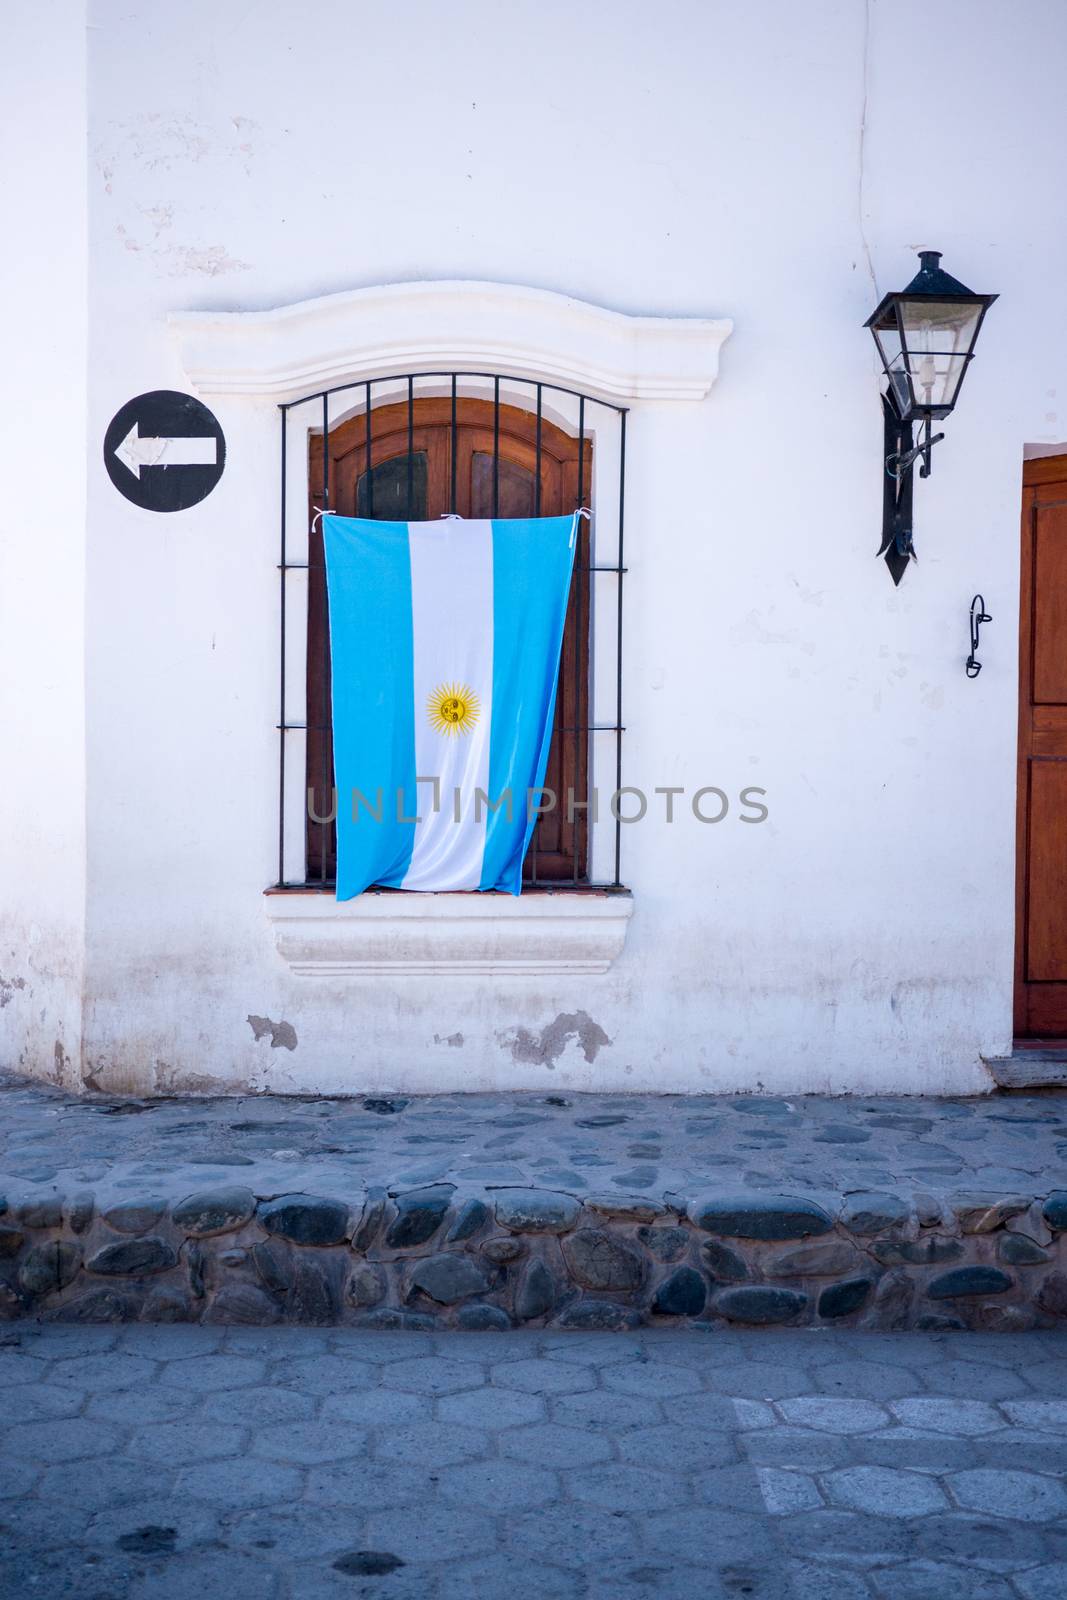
[[1038, 473]]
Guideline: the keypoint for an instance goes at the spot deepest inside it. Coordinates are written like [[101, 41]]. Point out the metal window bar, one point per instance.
[[582, 724]]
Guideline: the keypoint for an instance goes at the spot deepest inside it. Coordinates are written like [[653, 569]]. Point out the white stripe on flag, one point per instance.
[[452, 629]]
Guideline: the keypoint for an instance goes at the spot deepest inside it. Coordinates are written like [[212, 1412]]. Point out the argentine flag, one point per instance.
[[445, 640]]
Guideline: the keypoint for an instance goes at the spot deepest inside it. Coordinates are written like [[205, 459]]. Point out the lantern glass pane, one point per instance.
[[887, 337], [939, 335]]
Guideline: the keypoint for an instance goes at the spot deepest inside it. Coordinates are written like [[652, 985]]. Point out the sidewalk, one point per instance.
[[484, 1211]]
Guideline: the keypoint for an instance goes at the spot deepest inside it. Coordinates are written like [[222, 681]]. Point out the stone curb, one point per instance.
[[505, 1257]]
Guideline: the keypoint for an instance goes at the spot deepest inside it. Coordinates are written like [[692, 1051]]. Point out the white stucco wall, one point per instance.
[[43, 537], [777, 164]]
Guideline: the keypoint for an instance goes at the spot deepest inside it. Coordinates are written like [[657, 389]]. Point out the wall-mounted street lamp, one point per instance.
[[926, 336]]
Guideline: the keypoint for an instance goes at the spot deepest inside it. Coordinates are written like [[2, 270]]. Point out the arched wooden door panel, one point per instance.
[[421, 464]]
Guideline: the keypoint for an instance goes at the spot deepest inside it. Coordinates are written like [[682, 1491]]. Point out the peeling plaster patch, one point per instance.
[[545, 1048], [453, 1039], [62, 1063], [7, 989], [282, 1034], [212, 260]]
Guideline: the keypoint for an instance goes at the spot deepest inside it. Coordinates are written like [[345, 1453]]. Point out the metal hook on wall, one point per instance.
[[979, 614]]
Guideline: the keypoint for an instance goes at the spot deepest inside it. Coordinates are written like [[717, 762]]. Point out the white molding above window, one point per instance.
[[496, 327], [389, 934]]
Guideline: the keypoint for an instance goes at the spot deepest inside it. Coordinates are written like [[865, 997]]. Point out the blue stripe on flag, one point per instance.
[[532, 563], [368, 577]]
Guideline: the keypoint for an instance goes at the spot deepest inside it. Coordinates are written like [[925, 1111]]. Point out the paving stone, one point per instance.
[[419, 1214], [683, 1293], [473, 1214], [536, 1292], [1043, 1583], [597, 1409], [644, 1377], [826, 1259], [176, 1443], [102, 1372], [985, 1213], [1016, 1250], [450, 1278], [723, 1263], [235, 1483], [359, 1483], [213, 1211], [809, 1582], [796, 1447], [604, 1315], [95, 1306], [505, 1248], [194, 1576], [1054, 1210], [538, 1376], [1050, 1415], [968, 1281], [961, 1417], [884, 1491], [68, 1439], [41, 1213], [306, 1219], [133, 1257], [626, 1488], [1052, 1296], [134, 1215], [392, 1319], [446, 1444], [785, 1492], [937, 1580], [308, 1443], [995, 1545], [214, 1372], [665, 1244], [46, 1268], [757, 1216], [109, 1483], [842, 1299], [434, 1375], [874, 1213], [760, 1305], [535, 1210], [482, 1319], [1022, 1496], [601, 1260], [242, 1303], [834, 1416], [573, 1536], [494, 1575], [927, 1251], [491, 1408]]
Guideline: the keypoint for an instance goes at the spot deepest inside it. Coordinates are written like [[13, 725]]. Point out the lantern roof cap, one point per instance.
[[930, 279], [929, 283]]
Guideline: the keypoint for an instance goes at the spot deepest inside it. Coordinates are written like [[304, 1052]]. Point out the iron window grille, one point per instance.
[[585, 418]]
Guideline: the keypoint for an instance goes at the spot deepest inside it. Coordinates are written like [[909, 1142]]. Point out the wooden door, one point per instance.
[[419, 467], [1041, 907]]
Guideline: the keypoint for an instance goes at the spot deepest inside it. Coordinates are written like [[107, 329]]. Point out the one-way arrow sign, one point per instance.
[[164, 450], [137, 452]]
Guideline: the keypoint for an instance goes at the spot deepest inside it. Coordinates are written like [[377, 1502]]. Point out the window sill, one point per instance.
[[386, 934]]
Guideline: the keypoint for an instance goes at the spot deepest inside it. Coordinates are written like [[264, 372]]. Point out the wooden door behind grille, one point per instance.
[[410, 479]]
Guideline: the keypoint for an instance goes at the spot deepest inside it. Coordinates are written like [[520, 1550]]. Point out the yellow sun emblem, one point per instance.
[[453, 708]]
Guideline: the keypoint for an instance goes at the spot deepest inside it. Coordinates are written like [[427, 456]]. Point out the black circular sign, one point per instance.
[[164, 451]]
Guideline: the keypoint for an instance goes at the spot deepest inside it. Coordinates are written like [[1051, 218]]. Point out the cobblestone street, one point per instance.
[[142, 1463]]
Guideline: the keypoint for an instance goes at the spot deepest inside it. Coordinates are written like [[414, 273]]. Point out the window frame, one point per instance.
[[504, 414]]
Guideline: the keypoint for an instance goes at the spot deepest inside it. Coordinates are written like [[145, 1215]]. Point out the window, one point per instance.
[[420, 457]]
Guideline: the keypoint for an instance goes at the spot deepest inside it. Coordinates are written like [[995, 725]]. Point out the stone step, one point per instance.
[[1030, 1069], [502, 1211]]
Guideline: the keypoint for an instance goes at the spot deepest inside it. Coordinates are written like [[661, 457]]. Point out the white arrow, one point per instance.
[[135, 452]]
